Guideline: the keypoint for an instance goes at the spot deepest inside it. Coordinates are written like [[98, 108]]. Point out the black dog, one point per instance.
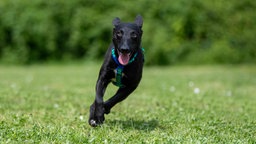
[[122, 65]]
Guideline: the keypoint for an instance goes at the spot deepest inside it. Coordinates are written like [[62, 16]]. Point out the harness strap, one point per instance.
[[119, 75]]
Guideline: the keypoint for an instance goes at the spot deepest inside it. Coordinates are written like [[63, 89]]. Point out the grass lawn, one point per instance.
[[180, 104]]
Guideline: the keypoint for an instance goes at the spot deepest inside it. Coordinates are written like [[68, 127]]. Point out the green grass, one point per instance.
[[50, 104]]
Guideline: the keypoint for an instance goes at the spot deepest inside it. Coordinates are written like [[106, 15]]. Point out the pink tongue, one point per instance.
[[123, 59]]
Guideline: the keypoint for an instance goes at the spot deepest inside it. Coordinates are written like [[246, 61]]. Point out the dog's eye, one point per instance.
[[119, 34], [133, 35]]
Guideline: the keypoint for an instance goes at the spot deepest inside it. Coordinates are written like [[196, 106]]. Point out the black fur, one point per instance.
[[126, 40]]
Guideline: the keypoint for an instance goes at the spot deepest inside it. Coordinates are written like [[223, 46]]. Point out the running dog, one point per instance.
[[123, 65]]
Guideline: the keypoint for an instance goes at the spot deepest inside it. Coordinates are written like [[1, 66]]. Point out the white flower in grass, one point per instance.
[[56, 106], [172, 89], [196, 90], [13, 85], [229, 93], [81, 117]]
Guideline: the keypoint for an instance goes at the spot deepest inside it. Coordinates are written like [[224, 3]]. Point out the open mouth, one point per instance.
[[124, 58]]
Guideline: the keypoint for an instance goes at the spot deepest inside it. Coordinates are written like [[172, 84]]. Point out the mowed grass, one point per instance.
[[179, 104]]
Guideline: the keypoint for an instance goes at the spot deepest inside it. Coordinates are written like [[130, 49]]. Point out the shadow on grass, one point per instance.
[[135, 124]]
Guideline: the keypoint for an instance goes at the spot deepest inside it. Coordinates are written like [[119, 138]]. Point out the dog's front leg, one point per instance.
[[120, 95], [97, 108]]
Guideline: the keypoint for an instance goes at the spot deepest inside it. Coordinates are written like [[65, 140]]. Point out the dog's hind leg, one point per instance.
[[120, 95]]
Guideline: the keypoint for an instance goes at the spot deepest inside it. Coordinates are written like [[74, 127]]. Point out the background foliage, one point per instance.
[[193, 32]]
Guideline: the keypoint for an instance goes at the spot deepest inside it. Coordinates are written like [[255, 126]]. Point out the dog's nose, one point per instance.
[[124, 50]]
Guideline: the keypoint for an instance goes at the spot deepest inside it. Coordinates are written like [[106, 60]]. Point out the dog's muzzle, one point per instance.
[[124, 56]]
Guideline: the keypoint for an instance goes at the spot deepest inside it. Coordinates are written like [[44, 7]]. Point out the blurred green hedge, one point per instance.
[[194, 32]]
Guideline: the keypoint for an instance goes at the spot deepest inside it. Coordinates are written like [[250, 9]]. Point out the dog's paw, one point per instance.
[[96, 122], [92, 123], [96, 115]]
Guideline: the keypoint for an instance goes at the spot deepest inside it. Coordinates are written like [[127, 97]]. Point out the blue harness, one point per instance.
[[119, 70]]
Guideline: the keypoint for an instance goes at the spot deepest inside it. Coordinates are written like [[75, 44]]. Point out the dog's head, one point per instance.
[[127, 38]]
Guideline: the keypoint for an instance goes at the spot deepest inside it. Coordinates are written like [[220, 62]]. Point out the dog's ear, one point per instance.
[[116, 21], [139, 21]]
